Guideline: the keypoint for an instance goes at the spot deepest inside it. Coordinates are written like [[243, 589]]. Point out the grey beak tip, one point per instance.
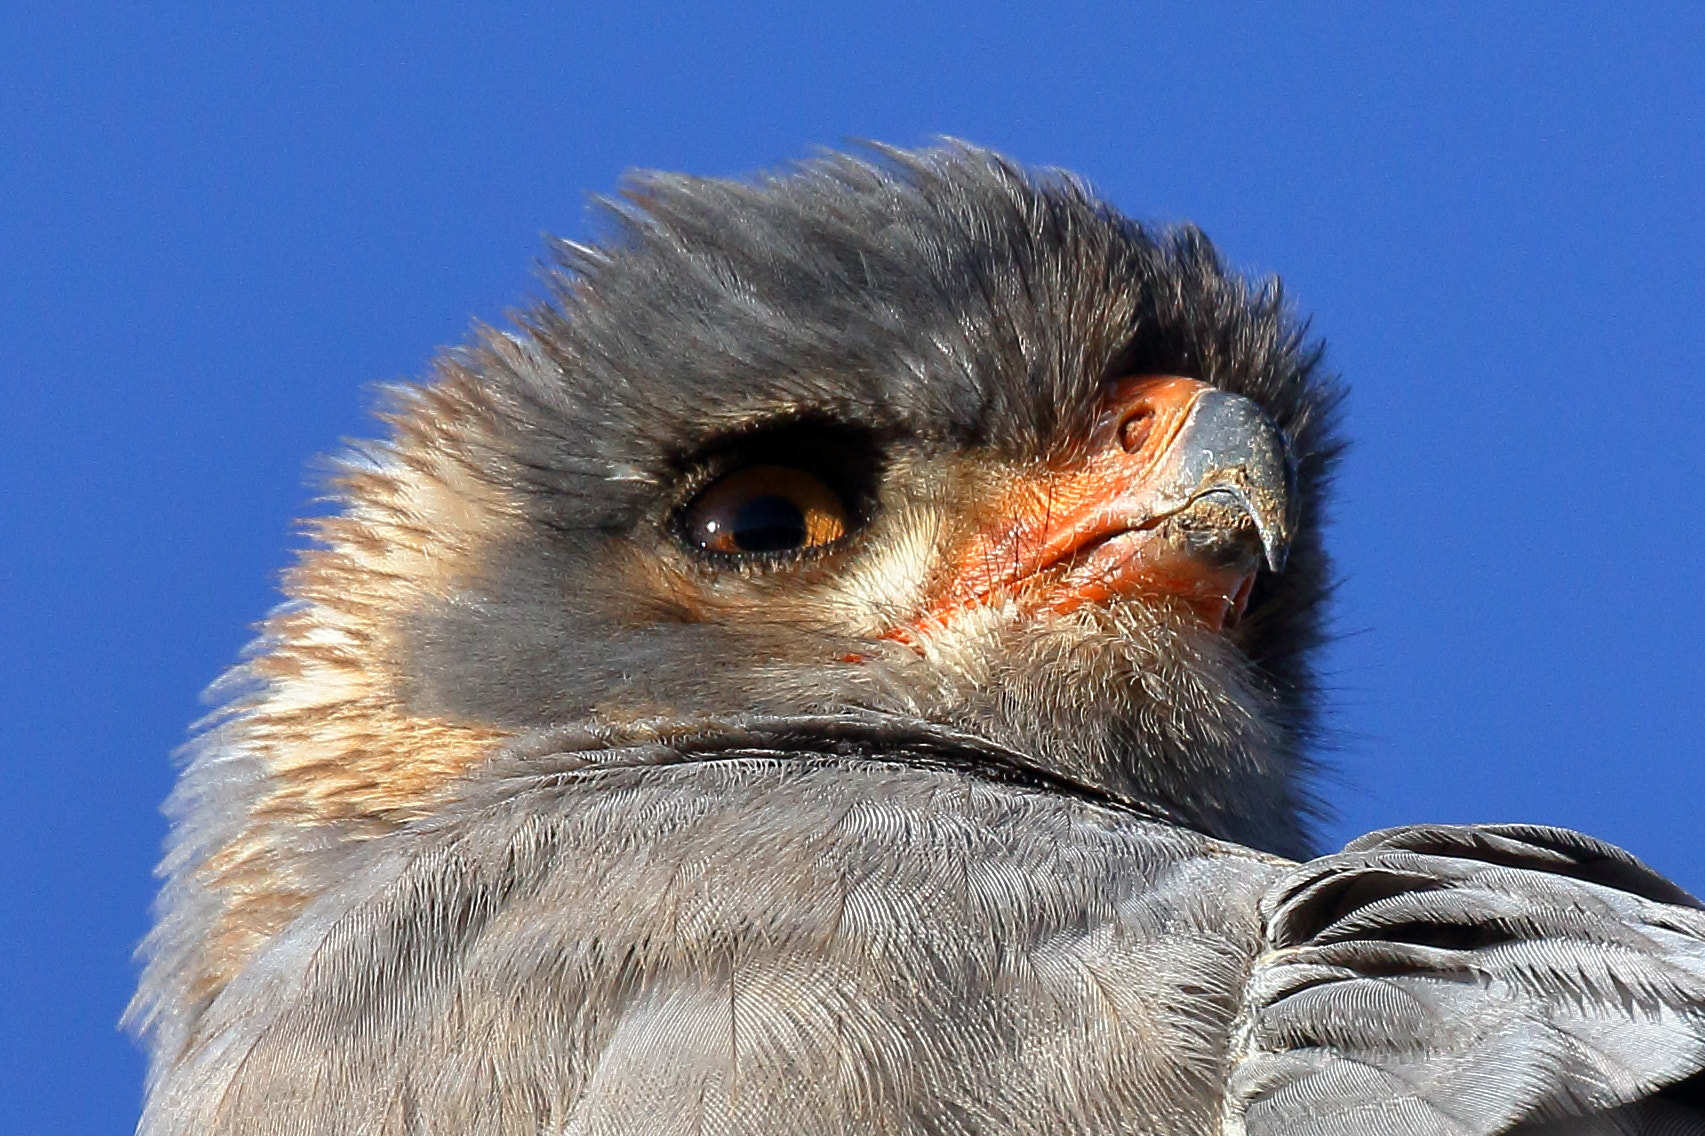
[[1235, 443]]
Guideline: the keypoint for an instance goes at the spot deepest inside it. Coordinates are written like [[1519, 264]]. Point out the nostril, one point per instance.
[[1135, 430]]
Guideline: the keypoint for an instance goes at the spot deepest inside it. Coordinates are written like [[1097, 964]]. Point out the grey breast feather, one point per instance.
[[795, 942]]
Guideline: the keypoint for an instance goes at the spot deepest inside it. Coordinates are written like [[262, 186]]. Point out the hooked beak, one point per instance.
[[1187, 491], [1226, 452]]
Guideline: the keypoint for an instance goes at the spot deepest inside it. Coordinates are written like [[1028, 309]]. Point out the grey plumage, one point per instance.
[[527, 815]]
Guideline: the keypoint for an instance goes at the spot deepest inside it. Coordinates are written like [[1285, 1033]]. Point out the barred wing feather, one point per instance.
[[1468, 980]]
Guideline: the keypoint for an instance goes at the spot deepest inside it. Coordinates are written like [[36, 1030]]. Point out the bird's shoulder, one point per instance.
[[1439, 980], [769, 941]]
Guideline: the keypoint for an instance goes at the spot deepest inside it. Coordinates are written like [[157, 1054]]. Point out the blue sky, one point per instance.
[[219, 224]]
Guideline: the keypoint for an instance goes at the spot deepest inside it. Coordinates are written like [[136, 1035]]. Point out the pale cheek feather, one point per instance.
[[331, 733], [890, 584]]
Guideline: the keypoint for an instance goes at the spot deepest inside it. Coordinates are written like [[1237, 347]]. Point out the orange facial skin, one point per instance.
[[1083, 535]]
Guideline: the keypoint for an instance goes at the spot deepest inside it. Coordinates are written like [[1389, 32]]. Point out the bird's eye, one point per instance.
[[766, 508]]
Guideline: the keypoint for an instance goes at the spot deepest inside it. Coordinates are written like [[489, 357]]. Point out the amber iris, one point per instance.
[[767, 508]]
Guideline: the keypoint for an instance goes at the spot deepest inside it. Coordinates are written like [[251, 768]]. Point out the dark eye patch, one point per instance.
[[765, 508], [777, 494]]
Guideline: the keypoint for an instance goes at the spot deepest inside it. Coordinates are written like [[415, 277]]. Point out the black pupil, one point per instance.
[[768, 524]]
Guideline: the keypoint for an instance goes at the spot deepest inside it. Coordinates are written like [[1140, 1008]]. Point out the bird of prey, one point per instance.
[[842, 664]]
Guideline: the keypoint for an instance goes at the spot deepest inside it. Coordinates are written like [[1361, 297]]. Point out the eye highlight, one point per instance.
[[765, 509]]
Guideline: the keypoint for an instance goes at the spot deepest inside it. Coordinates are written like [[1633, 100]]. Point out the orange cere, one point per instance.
[[1063, 538]]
